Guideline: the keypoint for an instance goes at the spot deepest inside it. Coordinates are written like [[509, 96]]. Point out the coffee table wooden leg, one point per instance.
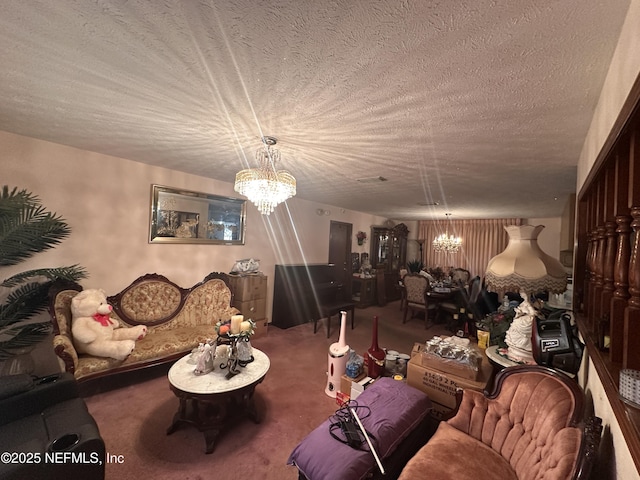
[[210, 437], [178, 417], [249, 406], [252, 412]]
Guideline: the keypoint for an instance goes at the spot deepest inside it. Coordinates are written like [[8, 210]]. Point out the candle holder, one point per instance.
[[239, 351]]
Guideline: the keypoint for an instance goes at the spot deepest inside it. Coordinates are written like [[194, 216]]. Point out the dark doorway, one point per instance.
[[340, 253]]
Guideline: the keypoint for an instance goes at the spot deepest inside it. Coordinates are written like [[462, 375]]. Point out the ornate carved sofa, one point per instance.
[[177, 319]]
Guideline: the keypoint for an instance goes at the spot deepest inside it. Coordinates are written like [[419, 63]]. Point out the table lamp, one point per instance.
[[525, 269]]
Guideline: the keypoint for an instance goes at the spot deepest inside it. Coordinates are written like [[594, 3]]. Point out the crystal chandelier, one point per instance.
[[265, 186], [447, 243]]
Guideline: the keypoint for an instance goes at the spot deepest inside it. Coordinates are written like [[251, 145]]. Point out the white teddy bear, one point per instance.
[[95, 332]]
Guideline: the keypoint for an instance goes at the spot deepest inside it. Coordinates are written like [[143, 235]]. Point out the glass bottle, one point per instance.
[[375, 355]]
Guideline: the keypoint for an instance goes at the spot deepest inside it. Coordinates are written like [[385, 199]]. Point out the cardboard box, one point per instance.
[[248, 287], [440, 386], [342, 398], [346, 381], [358, 387], [453, 367], [448, 366]]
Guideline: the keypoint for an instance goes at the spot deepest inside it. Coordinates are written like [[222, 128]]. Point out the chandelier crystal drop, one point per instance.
[[447, 243], [264, 186]]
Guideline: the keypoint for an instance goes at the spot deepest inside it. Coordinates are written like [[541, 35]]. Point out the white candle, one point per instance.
[[245, 326], [222, 351], [236, 320]]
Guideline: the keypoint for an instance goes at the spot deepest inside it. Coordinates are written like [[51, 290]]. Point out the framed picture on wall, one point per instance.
[[183, 216]]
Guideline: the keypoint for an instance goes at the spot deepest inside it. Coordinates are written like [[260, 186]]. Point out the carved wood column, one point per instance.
[[589, 276], [618, 301], [598, 284], [593, 240], [607, 287], [631, 354], [631, 357], [621, 284], [609, 254]]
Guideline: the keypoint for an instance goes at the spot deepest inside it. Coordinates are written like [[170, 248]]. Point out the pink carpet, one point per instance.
[[134, 416]]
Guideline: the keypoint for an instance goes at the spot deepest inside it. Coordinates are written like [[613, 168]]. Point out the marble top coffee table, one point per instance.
[[211, 401]]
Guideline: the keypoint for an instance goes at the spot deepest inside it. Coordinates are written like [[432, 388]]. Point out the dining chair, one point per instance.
[[469, 301], [475, 286], [416, 288], [460, 276], [449, 305]]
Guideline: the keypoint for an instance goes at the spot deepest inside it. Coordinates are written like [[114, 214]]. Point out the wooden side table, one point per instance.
[[498, 360], [210, 402], [250, 297]]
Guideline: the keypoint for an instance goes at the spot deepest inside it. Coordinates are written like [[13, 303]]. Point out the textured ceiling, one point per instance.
[[479, 105]]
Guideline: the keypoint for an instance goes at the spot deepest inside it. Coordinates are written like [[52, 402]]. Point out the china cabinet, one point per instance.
[[389, 253], [363, 291]]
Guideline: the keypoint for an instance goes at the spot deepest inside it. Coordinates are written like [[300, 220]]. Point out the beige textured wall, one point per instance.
[[623, 72], [549, 238], [106, 202]]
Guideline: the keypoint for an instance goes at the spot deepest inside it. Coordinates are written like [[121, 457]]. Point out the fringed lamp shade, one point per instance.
[[523, 266]]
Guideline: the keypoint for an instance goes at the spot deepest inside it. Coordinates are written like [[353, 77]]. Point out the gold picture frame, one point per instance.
[[184, 216]]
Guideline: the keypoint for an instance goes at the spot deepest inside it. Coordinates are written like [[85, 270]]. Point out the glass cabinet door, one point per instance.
[[394, 263], [379, 246]]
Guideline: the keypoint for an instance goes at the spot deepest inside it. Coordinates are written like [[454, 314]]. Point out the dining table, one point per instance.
[[448, 297]]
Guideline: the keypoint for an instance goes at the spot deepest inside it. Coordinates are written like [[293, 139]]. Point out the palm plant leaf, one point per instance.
[[28, 299], [22, 336], [24, 302], [72, 273], [26, 227]]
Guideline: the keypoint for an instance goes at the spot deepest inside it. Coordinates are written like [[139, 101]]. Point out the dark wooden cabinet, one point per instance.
[[363, 291], [389, 254], [299, 291]]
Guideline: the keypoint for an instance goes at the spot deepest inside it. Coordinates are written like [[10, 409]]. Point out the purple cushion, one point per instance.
[[396, 409]]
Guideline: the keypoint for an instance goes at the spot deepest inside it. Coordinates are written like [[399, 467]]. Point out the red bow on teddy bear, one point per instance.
[[103, 318]]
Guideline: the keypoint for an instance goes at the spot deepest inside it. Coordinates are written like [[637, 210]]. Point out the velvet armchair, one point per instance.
[[529, 428]]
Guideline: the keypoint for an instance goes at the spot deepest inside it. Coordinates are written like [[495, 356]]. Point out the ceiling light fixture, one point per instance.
[[265, 186], [447, 243]]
